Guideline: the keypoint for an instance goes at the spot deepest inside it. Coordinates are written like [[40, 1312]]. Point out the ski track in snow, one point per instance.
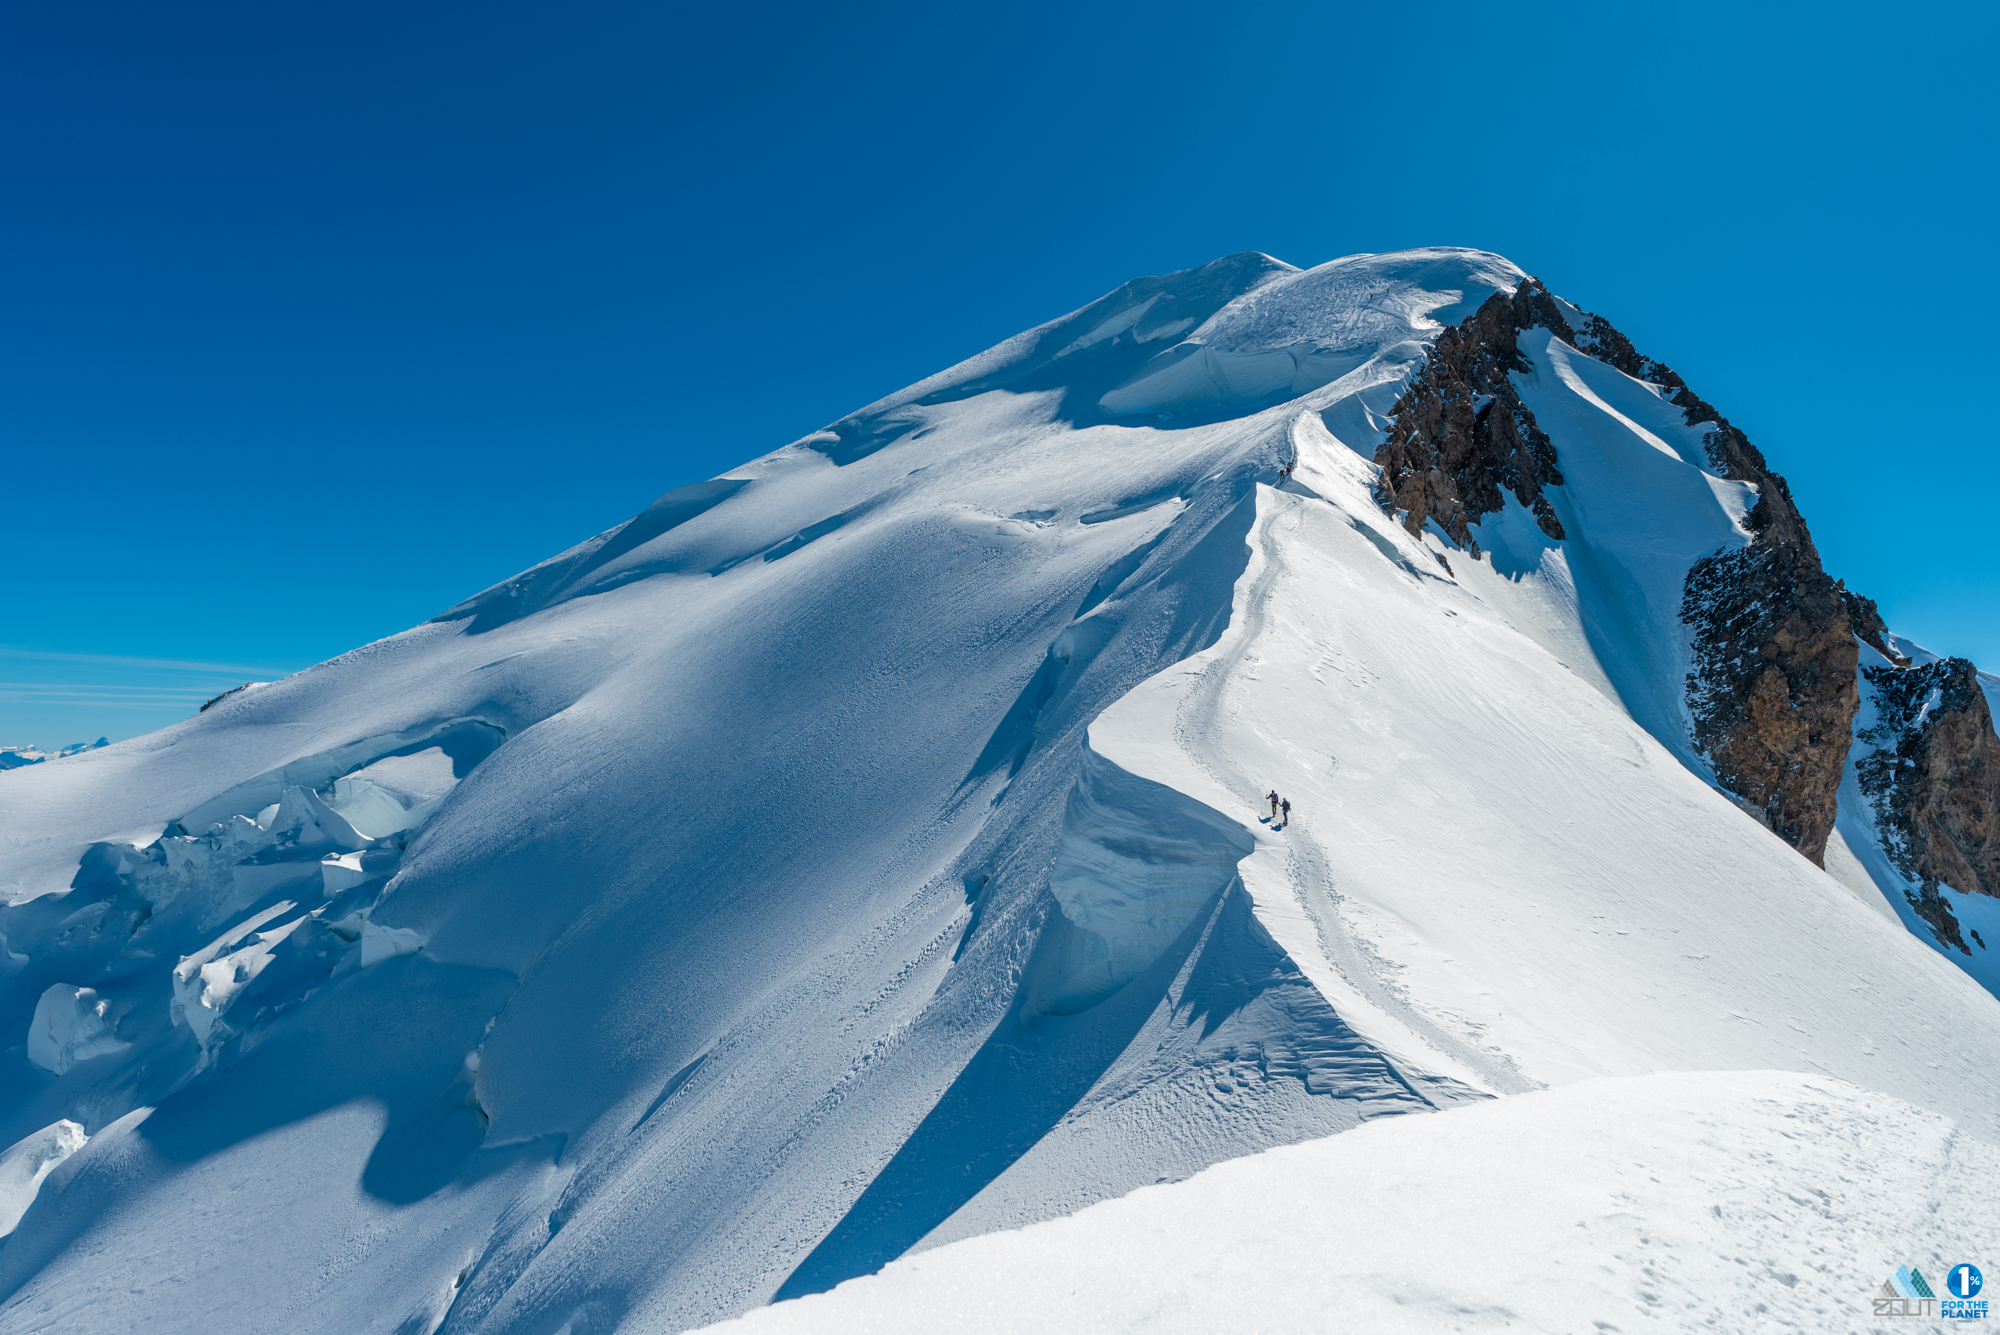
[[1196, 730]]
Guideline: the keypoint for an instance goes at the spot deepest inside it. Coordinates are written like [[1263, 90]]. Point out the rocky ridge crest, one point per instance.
[[1775, 686], [1934, 781], [1869, 627], [1461, 436], [1773, 691]]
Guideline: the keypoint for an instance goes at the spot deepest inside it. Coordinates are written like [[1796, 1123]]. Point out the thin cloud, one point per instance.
[[90, 702], [8, 651], [125, 687], [82, 701], [40, 693]]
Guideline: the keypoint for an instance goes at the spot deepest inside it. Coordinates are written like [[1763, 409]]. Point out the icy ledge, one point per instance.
[[1731, 1200], [27, 1162], [1137, 863]]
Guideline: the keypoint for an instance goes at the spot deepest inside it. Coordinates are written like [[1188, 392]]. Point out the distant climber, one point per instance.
[[1287, 807], [1272, 798]]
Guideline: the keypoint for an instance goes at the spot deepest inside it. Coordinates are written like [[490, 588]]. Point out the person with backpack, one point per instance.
[[1286, 805], [1272, 798]]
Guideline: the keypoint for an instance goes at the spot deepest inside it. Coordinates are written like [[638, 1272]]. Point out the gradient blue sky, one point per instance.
[[316, 318]]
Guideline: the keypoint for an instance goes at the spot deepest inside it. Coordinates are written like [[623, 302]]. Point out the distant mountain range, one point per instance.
[[14, 757]]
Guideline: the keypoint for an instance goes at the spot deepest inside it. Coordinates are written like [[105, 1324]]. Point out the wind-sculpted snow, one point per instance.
[[860, 852], [1304, 330], [1136, 863], [1078, 358], [239, 923], [25, 1163], [593, 566], [1738, 1201], [71, 1024]]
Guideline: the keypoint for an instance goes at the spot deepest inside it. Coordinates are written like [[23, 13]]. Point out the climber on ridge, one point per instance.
[[1272, 798], [1287, 805]]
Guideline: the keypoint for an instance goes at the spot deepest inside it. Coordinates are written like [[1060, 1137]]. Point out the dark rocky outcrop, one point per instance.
[[212, 703], [1772, 691], [1869, 627], [1461, 436], [1934, 780], [1774, 683], [1605, 343]]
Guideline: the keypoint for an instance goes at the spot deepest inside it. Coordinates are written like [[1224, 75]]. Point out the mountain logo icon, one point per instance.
[[1906, 1293]]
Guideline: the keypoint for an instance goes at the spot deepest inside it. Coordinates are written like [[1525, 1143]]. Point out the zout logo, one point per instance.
[[1964, 1281]]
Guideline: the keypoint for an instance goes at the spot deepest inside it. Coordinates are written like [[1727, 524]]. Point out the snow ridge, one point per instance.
[[1729, 1200]]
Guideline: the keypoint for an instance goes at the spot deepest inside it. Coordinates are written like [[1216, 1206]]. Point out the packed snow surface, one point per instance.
[[1744, 1200], [864, 851]]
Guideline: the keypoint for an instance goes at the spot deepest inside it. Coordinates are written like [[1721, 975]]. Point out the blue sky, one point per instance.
[[316, 318]]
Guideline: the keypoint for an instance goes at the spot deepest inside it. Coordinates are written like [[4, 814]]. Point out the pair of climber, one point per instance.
[[1279, 804]]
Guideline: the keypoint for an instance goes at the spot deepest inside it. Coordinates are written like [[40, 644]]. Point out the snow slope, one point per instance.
[[860, 852], [1749, 1200], [1488, 822]]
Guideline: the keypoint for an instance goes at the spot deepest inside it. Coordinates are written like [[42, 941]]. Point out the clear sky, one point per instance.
[[317, 317]]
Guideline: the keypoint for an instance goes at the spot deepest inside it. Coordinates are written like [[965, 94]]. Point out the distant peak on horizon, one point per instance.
[[21, 756]]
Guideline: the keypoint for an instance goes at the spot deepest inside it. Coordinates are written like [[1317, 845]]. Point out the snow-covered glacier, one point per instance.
[[864, 851]]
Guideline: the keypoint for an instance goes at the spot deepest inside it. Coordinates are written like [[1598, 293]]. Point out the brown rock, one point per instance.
[[1461, 436], [1869, 626], [1935, 782], [1773, 693]]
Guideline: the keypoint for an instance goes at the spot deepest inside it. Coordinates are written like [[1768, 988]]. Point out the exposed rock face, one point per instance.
[[1772, 694], [1869, 627], [1773, 689], [1461, 435], [1935, 783]]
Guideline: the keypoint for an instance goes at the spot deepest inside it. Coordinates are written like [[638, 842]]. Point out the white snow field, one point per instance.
[[862, 852], [1746, 1200]]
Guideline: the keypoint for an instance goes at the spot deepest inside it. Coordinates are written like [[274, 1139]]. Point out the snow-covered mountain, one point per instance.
[[865, 850], [15, 757]]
